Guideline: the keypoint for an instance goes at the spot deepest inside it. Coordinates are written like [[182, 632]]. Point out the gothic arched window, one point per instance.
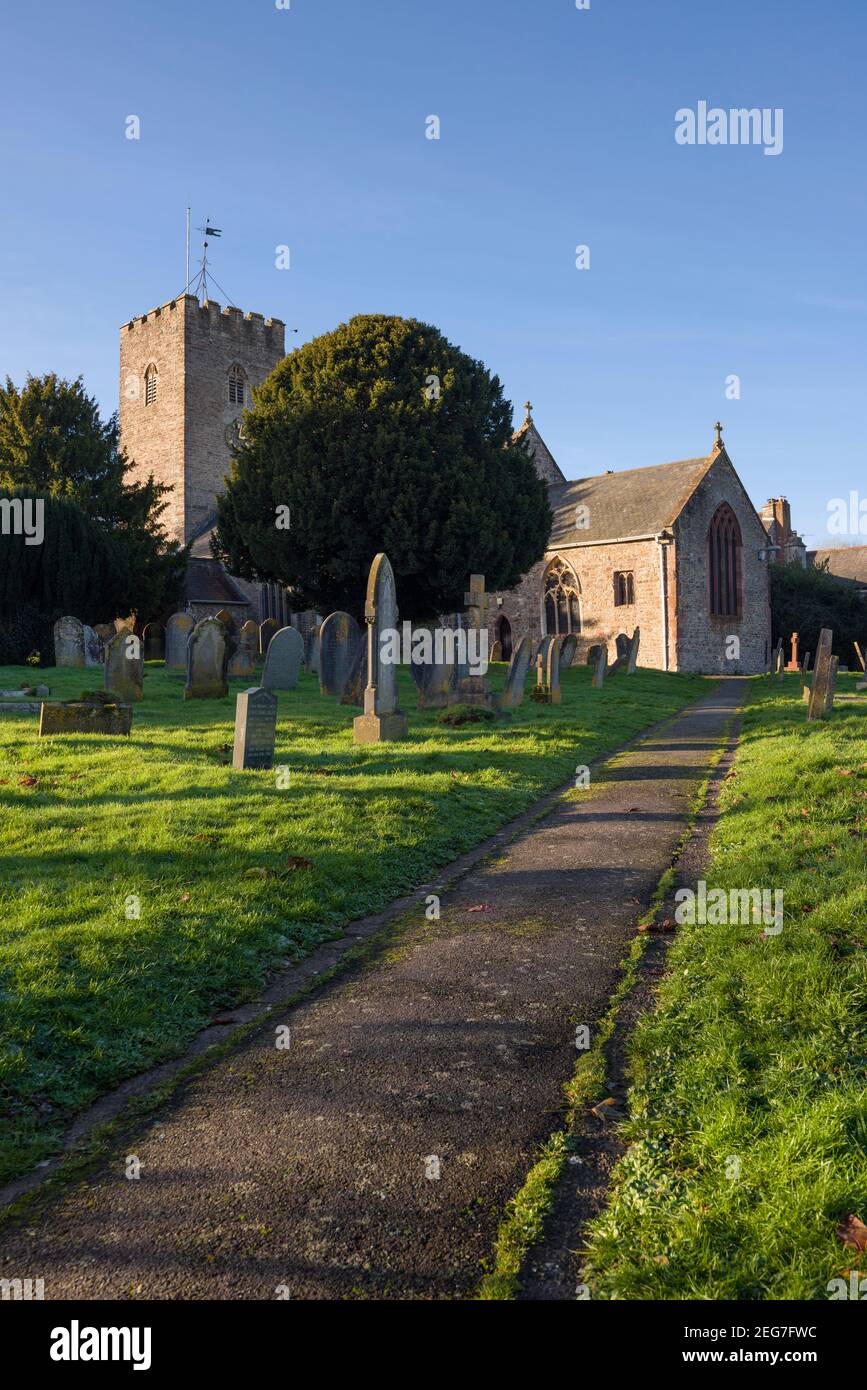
[[562, 600], [150, 384], [237, 386], [624, 588], [724, 564]]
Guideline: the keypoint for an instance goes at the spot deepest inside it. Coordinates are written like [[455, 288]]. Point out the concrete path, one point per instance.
[[374, 1156]]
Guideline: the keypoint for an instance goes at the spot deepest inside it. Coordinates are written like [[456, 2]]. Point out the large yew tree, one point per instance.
[[381, 436]]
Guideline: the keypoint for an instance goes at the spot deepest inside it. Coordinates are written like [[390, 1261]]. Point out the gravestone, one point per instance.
[[435, 680], [266, 632], [154, 638], [632, 657], [83, 717], [516, 676], [621, 643], [860, 655], [474, 689], [94, 648], [104, 631], [805, 667], [226, 619], [283, 662], [312, 649], [779, 660], [207, 658], [552, 672], [832, 686], [382, 719], [242, 661], [496, 651], [124, 666], [601, 667], [542, 650], [821, 676], [255, 729], [69, 642], [339, 639], [794, 664], [593, 655], [568, 649], [178, 629], [353, 691]]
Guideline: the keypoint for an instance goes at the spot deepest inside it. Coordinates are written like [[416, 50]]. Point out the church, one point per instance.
[[675, 549]]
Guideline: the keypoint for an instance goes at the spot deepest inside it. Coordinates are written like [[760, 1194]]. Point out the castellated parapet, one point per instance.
[[183, 367]]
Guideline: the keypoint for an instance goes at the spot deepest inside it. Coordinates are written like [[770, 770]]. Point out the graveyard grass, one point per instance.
[[748, 1126], [92, 996]]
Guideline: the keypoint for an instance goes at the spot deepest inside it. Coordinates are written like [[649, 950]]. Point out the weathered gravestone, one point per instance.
[[805, 668], [311, 650], [832, 686], [632, 654], [621, 643], [601, 667], [860, 655], [552, 672], [207, 658], [283, 662], [255, 729], [516, 676], [339, 639], [84, 717], [105, 632], [124, 666], [593, 655], [779, 660], [266, 632], [568, 647], [353, 691], [242, 662], [154, 639], [542, 650], [496, 651], [821, 676], [226, 619], [382, 719], [94, 647], [69, 642], [434, 671], [472, 689], [178, 629]]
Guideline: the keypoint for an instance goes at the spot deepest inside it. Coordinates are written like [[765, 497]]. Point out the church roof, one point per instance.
[[207, 581], [844, 562], [634, 502]]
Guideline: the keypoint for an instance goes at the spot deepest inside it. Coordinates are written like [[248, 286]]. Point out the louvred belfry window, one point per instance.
[[236, 386], [150, 385], [724, 564], [562, 602]]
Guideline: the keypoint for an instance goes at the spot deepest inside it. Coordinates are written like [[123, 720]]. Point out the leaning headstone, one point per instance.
[[860, 655], [339, 638], [255, 729], [516, 676], [266, 632], [207, 658], [621, 661], [353, 691], [496, 651], [632, 656], [821, 676], [154, 638], [283, 662], [779, 660], [69, 642], [552, 672], [94, 648], [178, 629], [242, 662], [832, 686], [805, 668], [601, 667], [124, 666], [226, 619], [382, 719], [568, 648]]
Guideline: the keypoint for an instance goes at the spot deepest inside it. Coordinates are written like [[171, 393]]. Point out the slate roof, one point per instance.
[[845, 562], [207, 581], [634, 502]]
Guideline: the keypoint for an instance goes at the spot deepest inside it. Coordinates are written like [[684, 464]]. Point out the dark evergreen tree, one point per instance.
[[806, 600], [381, 436]]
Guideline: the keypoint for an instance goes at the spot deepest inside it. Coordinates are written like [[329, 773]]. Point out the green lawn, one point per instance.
[[749, 1103], [91, 996]]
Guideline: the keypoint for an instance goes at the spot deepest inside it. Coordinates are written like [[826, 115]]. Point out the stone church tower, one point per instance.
[[187, 370]]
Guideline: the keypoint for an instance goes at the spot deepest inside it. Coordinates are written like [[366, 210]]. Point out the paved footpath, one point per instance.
[[312, 1168]]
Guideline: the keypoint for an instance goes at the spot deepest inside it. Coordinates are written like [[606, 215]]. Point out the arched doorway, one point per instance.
[[504, 636]]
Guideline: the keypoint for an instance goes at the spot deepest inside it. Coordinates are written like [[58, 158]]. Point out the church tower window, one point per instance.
[[725, 598], [150, 384], [237, 386], [562, 600]]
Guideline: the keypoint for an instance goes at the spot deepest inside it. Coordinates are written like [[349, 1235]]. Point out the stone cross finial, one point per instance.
[[476, 601], [719, 439], [528, 407]]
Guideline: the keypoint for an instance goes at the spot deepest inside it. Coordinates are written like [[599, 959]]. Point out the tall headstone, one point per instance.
[[154, 638], [542, 650], [632, 656], [832, 686], [207, 658], [794, 664], [283, 662], [338, 639], [255, 729], [242, 662], [178, 629], [124, 666], [860, 655], [805, 668], [601, 667], [94, 647], [568, 648], [516, 676], [266, 633], [382, 719], [552, 672], [821, 676], [69, 642]]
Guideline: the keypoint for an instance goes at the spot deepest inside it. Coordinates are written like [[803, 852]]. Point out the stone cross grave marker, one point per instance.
[[338, 640], [207, 657], [283, 662], [255, 729], [470, 689], [178, 629], [124, 666], [794, 664], [821, 676], [382, 719]]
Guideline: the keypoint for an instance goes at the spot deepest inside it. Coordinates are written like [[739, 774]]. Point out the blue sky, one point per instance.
[[306, 127]]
